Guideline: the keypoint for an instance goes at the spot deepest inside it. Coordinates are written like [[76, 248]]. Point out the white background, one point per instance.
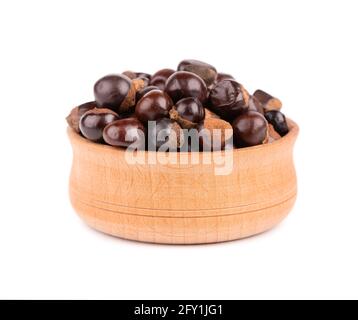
[[52, 52]]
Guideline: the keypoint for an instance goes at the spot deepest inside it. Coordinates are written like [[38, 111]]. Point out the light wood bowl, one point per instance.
[[183, 203]]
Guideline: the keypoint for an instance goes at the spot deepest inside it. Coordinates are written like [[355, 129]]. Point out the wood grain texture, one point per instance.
[[183, 203]]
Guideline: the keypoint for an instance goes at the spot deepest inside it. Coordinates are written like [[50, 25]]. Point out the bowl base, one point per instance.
[[183, 230]]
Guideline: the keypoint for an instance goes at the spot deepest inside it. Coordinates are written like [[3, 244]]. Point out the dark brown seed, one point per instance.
[[229, 99], [153, 105], [125, 133], [268, 102], [144, 91], [188, 112], [73, 119], [250, 129], [278, 120], [204, 70], [93, 122], [110, 91], [160, 78], [183, 84]]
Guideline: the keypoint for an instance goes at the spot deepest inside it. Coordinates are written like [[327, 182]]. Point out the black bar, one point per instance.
[[159, 309]]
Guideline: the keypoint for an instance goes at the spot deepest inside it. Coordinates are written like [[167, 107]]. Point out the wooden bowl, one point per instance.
[[183, 203]]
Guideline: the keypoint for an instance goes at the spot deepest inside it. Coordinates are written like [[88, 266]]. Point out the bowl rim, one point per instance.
[[289, 137]]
